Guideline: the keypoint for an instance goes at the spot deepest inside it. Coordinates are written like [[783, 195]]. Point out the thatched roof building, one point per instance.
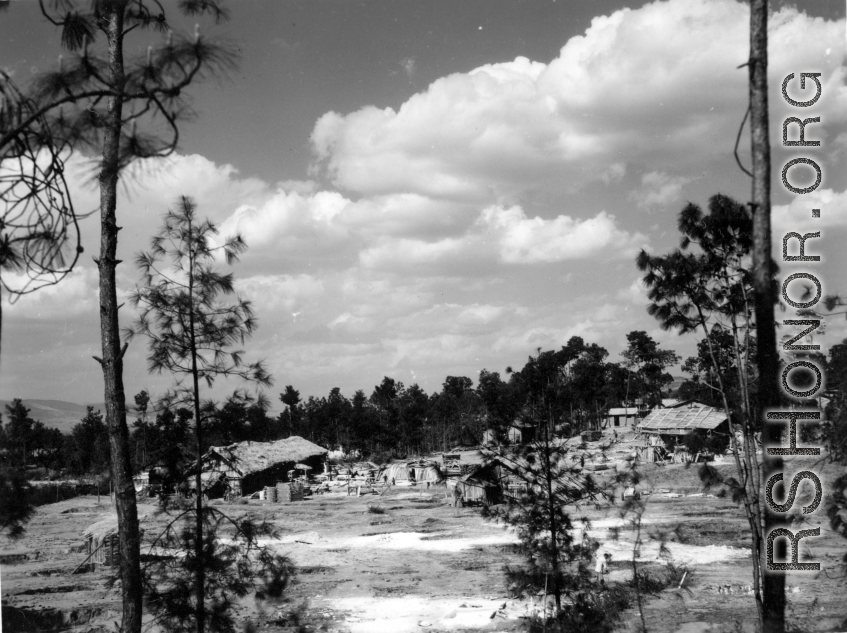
[[246, 467]]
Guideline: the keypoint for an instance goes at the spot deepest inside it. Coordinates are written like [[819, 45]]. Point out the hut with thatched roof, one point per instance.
[[247, 467]]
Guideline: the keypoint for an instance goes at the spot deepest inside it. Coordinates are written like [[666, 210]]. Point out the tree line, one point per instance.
[[578, 384]]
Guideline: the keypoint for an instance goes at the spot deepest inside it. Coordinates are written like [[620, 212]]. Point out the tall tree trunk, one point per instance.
[[112, 362], [200, 576], [773, 594], [554, 528]]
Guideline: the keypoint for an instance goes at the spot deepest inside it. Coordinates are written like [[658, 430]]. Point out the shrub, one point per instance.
[[597, 611], [376, 510], [674, 573]]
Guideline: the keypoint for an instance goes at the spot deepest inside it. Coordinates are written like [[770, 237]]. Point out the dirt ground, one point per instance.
[[416, 566]]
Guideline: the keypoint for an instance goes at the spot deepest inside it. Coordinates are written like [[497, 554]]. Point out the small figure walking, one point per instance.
[[457, 499]]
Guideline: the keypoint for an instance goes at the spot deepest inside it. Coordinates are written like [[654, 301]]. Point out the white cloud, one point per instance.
[[506, 235], [409, 252], [636, 293], [658, 85], [524, 240], [659, 189], [797, 215], [75, 295], [287, 215], [288, 293], [465, 228]]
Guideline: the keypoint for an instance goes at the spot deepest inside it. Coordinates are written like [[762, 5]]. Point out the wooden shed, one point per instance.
[[476, 490], [618, 417], [520, 433]]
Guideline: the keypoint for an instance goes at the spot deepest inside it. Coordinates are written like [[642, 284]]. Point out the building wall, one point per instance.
[[619, 421]]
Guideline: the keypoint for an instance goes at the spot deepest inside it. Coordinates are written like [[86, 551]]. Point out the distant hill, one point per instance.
[[57, 414]]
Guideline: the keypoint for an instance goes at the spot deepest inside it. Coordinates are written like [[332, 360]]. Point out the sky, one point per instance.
[[436, 188]]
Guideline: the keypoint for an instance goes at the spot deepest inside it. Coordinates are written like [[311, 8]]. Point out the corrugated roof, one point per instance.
[[681, 420], [623, 411], [251, 457]]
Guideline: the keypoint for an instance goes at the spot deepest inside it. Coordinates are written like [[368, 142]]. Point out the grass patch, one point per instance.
[[469, 564], [376, 510]]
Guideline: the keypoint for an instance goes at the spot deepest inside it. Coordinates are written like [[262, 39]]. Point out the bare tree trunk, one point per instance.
[[773, 620], [200, 577], [112, 361]]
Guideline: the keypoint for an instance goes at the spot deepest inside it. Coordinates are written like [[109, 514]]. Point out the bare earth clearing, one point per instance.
[[417, 567]]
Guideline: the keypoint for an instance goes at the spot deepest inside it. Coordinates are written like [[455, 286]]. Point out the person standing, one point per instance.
[[602, 567], [599, 564], [457, 499]]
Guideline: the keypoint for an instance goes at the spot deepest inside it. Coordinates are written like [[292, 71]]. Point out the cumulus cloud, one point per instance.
[[488, 214], [658, 85], [412, 252], [507, 235], [291, 224], [524, 240]]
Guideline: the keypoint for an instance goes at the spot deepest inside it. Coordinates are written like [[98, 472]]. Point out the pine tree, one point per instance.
[[117, 106], [192, 333]]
